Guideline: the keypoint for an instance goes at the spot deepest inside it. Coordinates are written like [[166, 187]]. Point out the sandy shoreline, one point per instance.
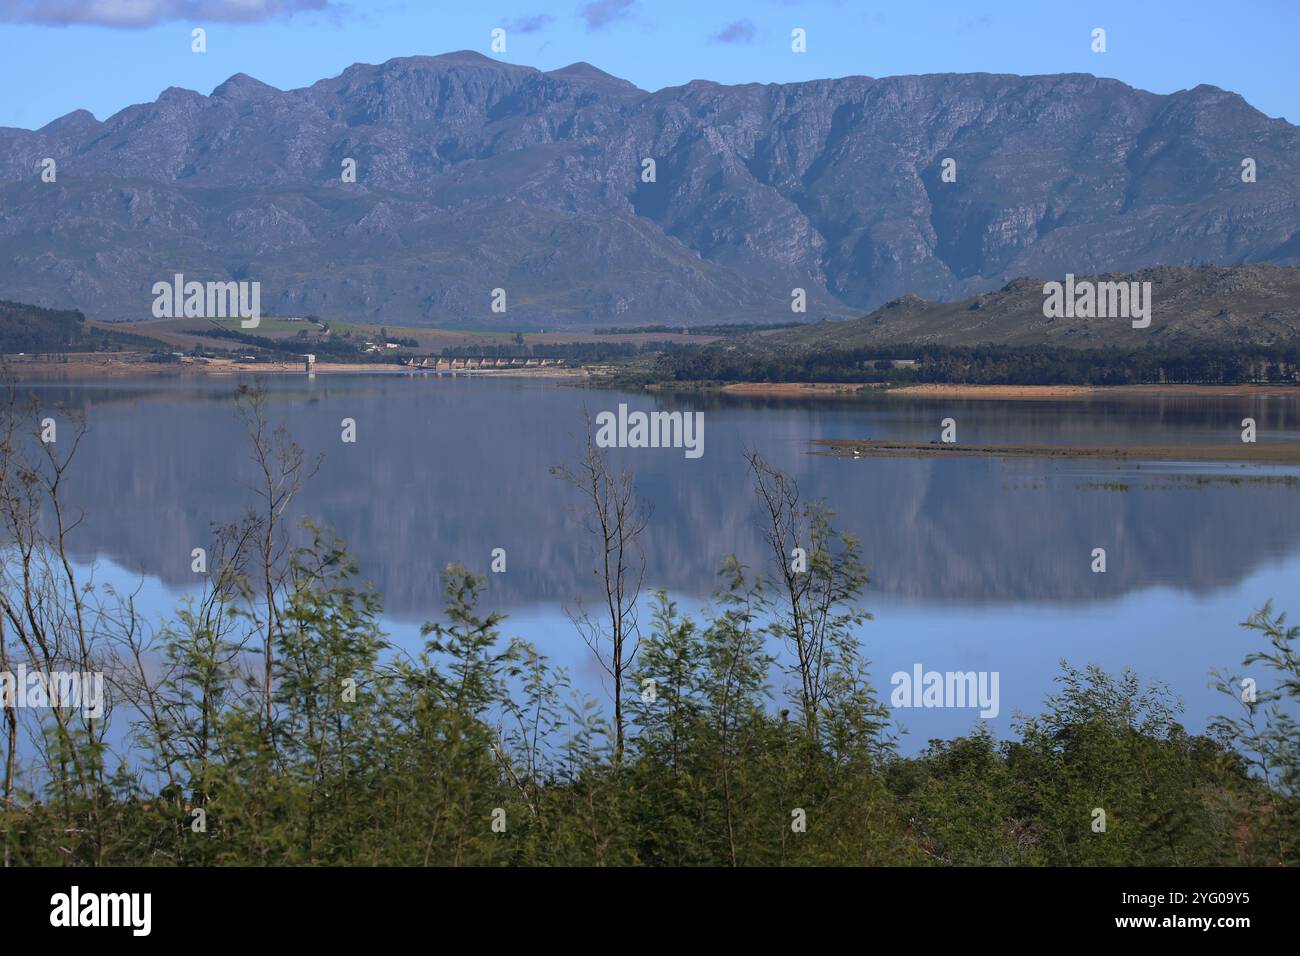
[[800, 389], [1007, 392], [1059, 392], [1270, 453]]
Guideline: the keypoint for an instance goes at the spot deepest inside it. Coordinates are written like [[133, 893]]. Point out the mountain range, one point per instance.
[[474, 175]]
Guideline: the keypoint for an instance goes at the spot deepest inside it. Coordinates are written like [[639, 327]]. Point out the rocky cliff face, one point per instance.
[[474, 175]]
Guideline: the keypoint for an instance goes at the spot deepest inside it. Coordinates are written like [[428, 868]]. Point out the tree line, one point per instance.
[[985, 365], [32, 330]]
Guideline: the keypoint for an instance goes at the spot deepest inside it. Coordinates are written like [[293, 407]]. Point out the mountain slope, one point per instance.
[[474, 175], [1211, 305]]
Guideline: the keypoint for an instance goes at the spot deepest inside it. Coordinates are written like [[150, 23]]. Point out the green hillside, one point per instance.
[[29, 328]]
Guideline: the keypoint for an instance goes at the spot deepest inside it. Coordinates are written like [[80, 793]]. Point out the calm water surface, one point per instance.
[[976, 564]]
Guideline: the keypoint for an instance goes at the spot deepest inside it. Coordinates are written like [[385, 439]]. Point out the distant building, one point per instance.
[[309, 363]]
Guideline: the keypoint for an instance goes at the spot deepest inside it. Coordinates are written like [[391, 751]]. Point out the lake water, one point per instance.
[[976, 563]]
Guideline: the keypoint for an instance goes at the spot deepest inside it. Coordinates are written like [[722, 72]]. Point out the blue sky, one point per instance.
[[103, 55]]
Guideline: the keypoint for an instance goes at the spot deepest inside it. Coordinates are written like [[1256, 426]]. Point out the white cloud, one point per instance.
[[601, 13], [147, 13]]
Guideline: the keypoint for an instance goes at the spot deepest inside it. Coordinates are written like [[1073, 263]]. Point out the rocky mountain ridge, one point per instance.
[[474, 175]]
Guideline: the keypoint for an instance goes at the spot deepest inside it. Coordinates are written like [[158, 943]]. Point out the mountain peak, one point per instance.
[[464, 56], [454, 58], [77, 119], [242, 85], [178, 93], [584, 72]]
